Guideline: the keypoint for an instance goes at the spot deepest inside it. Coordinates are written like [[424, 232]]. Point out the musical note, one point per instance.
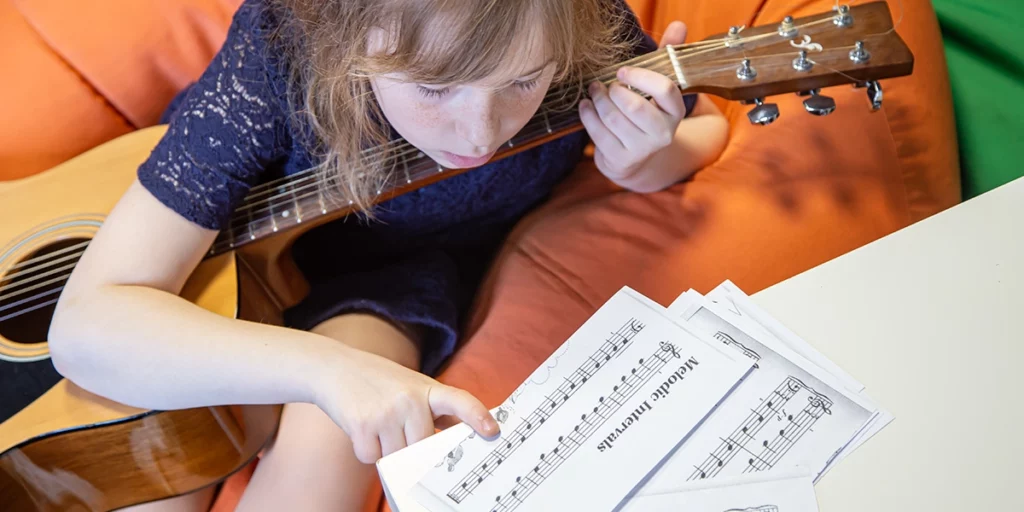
[[817, 405], [748, 431], [628, 386], [571, 385]]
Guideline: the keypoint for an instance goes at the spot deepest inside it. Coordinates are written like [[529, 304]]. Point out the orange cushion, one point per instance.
[[84, 73], [780, 200]]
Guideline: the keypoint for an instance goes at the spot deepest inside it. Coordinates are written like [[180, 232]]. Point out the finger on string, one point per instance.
[[646, 116], [657, 86], [602, 136], [613, 118]]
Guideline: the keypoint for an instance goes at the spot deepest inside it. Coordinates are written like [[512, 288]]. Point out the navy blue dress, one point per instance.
[[419, 263]]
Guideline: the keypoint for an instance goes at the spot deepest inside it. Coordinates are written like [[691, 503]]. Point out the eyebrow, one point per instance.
[[535, 70]]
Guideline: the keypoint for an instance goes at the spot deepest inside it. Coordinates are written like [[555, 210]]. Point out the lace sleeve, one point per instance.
[[228, 128]]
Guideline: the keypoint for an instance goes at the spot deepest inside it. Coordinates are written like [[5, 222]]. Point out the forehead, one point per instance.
[[458, 46]]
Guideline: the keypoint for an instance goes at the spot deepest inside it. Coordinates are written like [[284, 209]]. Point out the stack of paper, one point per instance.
[[652, 408]]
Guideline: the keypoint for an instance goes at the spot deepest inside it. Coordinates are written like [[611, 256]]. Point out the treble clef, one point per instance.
[[670, 348]]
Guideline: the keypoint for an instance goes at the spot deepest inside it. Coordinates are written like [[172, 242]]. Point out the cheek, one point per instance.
[[408, 114]]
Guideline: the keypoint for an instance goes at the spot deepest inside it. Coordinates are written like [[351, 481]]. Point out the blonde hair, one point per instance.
[[325, 44]]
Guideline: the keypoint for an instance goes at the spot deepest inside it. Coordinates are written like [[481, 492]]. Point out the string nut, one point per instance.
[[843, 18], [802, 63], [786, 28], [746, 72], [859, 54]]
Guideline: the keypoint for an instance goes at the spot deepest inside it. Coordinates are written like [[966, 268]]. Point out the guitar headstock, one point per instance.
[[848, 45]]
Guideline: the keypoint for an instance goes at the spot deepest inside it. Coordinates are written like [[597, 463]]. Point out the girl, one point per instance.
[[303, 84]]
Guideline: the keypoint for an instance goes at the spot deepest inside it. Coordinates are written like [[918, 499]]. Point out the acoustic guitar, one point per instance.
[[62, 448]]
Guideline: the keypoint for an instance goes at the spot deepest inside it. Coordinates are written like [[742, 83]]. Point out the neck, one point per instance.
[[304, 198]]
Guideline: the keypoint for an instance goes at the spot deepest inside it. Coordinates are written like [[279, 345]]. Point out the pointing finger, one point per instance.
[[457, 402]]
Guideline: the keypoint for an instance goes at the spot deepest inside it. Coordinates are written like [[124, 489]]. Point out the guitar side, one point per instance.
[[67, 448]]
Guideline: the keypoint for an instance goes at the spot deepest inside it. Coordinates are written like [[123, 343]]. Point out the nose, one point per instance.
[[480, 123]]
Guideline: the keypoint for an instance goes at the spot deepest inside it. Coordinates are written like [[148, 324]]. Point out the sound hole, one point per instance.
[[29, 290]]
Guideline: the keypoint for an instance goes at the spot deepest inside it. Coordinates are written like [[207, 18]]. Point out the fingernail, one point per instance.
[[621, 74], [585, 104], [489, 423], [593, 88]]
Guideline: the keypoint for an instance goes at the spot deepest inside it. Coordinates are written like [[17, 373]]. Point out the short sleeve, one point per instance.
[[228, 128]]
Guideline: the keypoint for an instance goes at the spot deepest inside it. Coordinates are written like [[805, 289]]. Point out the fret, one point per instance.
[[405, 168], [252, 233], [273, 216]]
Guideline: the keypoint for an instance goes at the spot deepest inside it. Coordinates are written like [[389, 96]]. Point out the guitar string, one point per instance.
[[245, 220], [603, 75], [56, 253], [294, 192], [659, 57], [274, 183]]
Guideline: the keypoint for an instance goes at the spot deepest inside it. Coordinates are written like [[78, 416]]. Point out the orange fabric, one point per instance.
[[83, 73], [780, 200]]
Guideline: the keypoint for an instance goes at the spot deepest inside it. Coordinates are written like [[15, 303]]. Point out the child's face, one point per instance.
[[463, 125]]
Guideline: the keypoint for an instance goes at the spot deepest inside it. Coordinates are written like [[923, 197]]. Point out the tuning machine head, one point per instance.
[[764, 113], [874, 91], [817, 104]]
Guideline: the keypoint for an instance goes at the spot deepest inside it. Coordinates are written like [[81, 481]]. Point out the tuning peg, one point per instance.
[[764, 113], [808, 92], [819, 105], [874, 90]]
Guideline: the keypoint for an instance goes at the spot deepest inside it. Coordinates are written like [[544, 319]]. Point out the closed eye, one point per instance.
[[527, 85]]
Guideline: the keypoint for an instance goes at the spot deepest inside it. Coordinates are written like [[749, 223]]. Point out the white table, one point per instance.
[[931, 320]]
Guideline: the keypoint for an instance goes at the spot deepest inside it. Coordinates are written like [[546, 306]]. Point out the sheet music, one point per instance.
[[778, 491], [788, 412], [622, 392], [743, 311]]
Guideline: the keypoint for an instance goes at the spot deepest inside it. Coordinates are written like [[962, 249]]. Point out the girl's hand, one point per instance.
[[626, 128], [384, 406]]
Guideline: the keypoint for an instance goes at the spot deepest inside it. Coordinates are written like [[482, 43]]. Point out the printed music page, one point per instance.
[[737, 308], [788, 412], [778, 491], [592, 421]]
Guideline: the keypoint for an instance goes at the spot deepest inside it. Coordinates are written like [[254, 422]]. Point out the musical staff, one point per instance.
[[589, 423], [616, 342], [770, 411], [773, 451]]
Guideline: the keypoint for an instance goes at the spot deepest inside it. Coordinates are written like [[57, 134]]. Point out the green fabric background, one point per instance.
[[984, 43]]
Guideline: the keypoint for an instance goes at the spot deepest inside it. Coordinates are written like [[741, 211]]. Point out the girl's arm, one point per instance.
[[121, 331]]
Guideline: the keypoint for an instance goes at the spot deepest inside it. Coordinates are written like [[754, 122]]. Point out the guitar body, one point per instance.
[[64, 448]]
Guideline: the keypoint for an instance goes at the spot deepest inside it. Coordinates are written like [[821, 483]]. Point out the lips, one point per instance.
[[463, 162]]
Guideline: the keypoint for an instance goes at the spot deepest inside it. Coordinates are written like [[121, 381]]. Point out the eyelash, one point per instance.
[[438, 93]]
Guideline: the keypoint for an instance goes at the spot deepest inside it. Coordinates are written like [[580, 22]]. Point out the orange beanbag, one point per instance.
[[78, 74], [780, 200]]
